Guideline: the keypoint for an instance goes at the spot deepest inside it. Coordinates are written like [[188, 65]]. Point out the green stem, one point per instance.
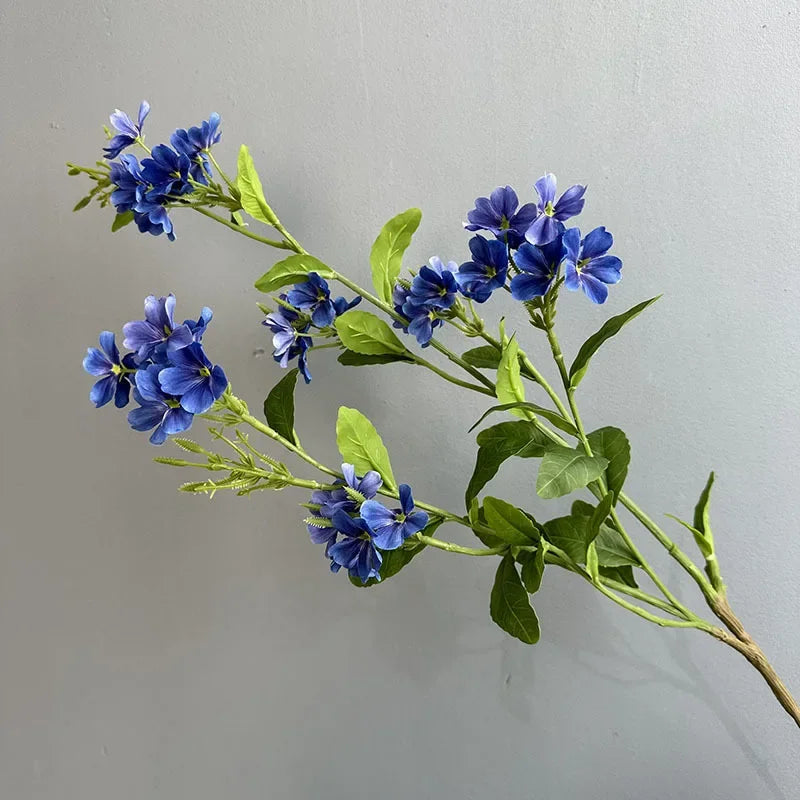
[[324, 346], [450, 547], [702, 581], [559, 557], [450, 378], [558, 356], [239, 229], [531, 372], [691, 622], [231, 185]]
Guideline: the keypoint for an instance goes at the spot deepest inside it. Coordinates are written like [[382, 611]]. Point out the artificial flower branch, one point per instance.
[[532, 256]]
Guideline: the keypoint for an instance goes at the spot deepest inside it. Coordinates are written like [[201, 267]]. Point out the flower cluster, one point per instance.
[[433, 291], [355, 528], [171, 376], [147, 188], [307, 305], [531, 240], [538, 245]]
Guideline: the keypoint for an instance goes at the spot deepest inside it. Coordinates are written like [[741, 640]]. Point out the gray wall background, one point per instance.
[[160, 645]]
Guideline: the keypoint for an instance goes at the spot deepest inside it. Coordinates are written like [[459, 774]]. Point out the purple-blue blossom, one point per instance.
[[314, 297], [156, 329], [114, 373], [391, 527], [198, 327], [167, 172], [195, 143], [487, 271], [587, 265], [289, 338], [434, 286], [128, 132], [549, 224], [157, 410], [356, 552], [501, 215], [539, 265], [134, 193], [192, 379]]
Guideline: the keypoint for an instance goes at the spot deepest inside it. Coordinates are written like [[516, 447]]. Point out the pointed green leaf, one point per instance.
[[611, 443], [620, 574], [701, 515], [611, 328], [563, 470], [498, 443], [252, 194], [361, 446], [592, 564], [82, 203], [569, 534], [386, 256], [612, 550], [706, 548], [509, 388], [486, 357], [599, 516], [477, 516], [293, 269], [552, 416], [509, 523], [121, 220], [351, 359], [509, 605], [279, 406], [533, 568], [364, 333]]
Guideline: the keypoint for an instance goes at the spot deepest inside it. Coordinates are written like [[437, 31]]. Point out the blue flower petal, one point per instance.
[[103, 390]]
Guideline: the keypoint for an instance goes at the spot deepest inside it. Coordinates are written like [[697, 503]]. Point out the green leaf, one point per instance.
[[351, 359], [599, 516], [706, 548], [563, 470], [293, 269], [121, 220], [509, 523], [361, 446], [509, 605], [364, 333], [569, 534], [551, 416], [533, 568], [279, 406], [82, 203], [509, 383], [612, 550], [486, 357], [478, 516], [620, 574], [592, 564], [611, 443], [701, 515], [498, 443], [252, 194], [611, 328], [386, 256]]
